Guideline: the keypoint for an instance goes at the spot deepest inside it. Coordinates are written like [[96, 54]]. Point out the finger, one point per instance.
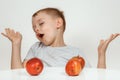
[[107, 41], [112, 37], [17, 33], [115, 35], [12, 32], [7, 30], [4, 35]]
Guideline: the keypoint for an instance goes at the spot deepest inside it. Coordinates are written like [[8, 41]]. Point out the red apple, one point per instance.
[[81, 60], [34, 66], [74, 66]]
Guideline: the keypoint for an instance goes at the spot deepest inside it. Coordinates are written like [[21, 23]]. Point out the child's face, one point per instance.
[[45, 28]]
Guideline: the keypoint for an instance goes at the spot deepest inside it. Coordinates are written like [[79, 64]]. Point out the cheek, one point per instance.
[[51, 36], [52, 32]]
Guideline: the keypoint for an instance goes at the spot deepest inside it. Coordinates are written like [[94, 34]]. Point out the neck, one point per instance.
[[59, 41]]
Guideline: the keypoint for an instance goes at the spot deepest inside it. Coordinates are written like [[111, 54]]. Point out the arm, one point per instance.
[[15, 38], [102, 50]]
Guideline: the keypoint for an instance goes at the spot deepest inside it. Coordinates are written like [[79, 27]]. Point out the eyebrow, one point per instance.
[[38, 21], [41, 19]]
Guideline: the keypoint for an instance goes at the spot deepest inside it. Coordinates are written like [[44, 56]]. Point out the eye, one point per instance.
[[41, 24]]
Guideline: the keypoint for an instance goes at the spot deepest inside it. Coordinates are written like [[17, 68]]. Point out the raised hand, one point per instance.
[[104, 43], [102, 50], [14, 37]]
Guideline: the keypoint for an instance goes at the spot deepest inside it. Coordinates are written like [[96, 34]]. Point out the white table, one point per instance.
[[58, 73]]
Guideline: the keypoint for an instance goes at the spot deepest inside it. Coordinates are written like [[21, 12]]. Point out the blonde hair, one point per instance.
[[53, 12]]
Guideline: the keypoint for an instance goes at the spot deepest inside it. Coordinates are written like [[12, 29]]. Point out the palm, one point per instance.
[[15, 37], [104, 43]]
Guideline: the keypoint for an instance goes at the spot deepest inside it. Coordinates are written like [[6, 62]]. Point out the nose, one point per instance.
[[37, 29]]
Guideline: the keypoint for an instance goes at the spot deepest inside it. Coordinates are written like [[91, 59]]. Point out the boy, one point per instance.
[[49, 26]]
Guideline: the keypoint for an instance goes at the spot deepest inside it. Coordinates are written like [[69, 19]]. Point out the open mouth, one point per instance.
[[40, 35]]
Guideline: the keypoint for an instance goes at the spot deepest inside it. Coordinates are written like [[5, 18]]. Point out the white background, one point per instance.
[[88, 21]]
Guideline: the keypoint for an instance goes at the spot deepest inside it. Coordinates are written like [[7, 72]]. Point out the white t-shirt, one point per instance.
[[54, 56]]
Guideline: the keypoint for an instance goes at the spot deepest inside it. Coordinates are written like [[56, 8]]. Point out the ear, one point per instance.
[[59, 22]]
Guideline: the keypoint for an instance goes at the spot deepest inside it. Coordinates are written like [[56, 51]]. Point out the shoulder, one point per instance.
[[38, 45]]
